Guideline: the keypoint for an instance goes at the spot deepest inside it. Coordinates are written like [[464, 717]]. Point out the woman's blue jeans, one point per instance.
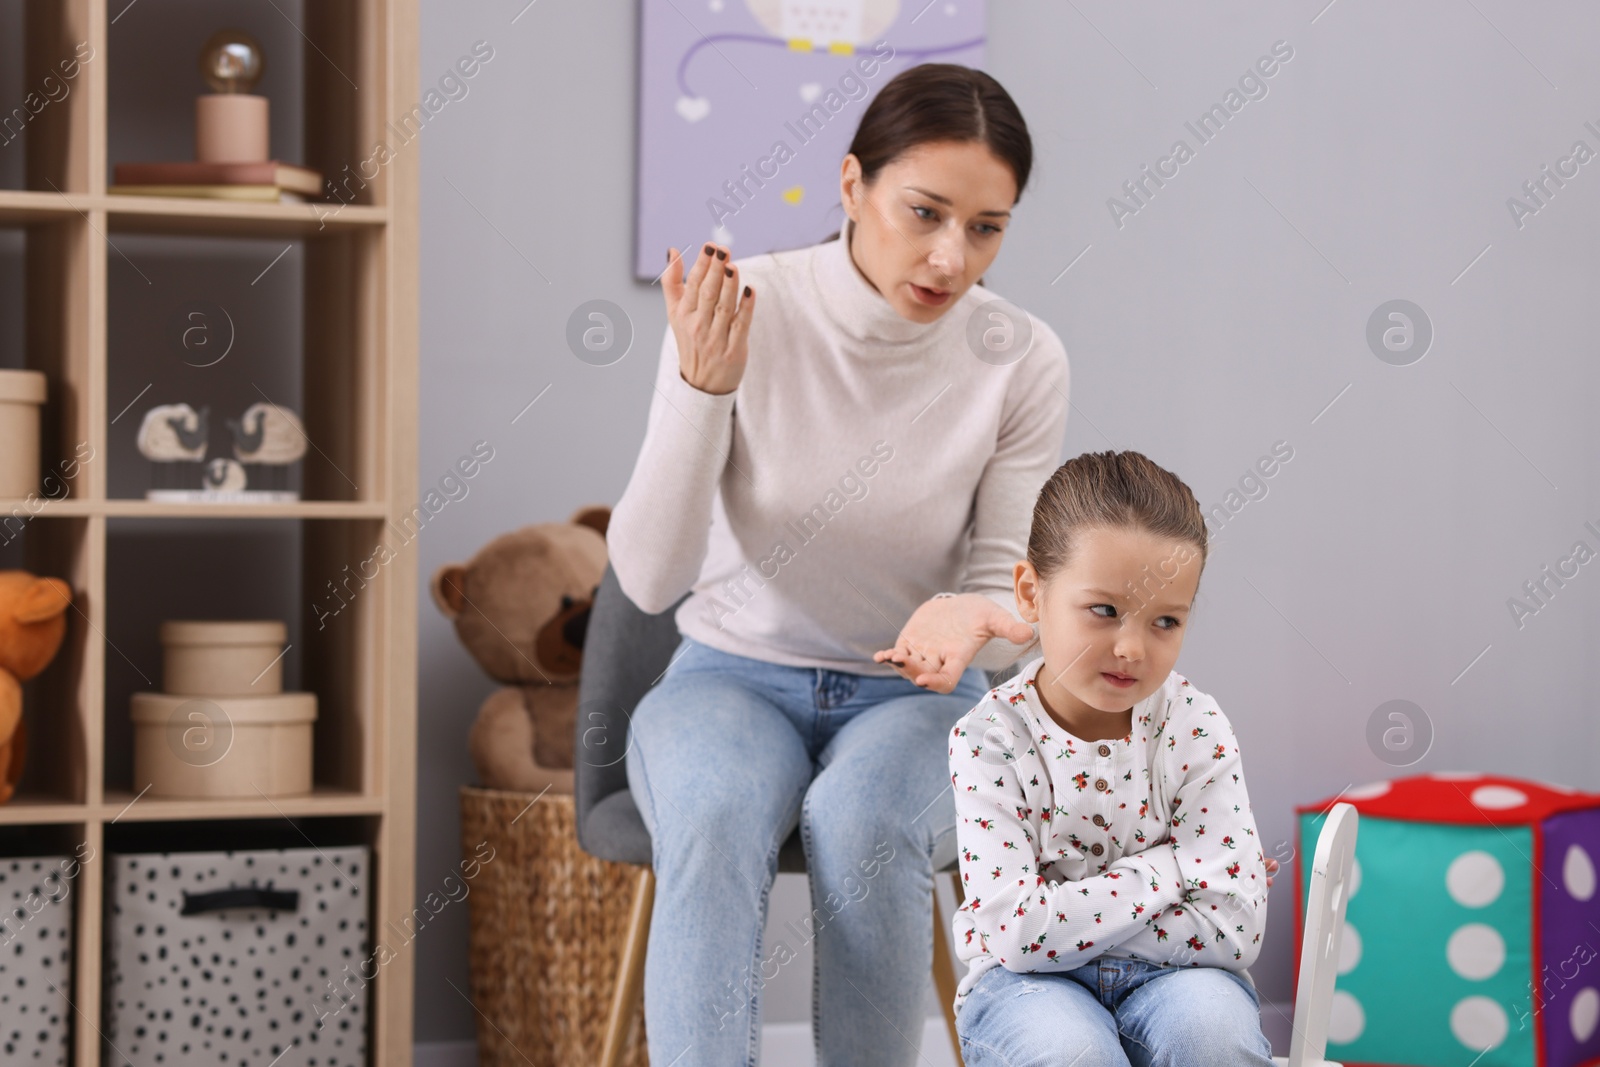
[[726, 754], [1113, 1012]]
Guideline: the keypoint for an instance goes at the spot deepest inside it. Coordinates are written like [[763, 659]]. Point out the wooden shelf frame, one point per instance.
[[363, 411], [122, 806], [47, 507], [172, 215]]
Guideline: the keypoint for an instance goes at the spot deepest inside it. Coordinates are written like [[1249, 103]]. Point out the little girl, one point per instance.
[[1115, 887]]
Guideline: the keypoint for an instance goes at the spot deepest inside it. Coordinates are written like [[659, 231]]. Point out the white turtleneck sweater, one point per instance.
[[864, 463]]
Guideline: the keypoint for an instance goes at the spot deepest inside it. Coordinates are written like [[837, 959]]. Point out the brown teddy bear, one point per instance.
[[33, 620], [521, 606]]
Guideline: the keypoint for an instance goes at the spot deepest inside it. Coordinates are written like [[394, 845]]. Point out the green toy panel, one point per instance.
[[1440, 964]]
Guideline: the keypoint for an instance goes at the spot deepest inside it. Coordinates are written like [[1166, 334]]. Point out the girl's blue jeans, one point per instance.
[[1113, 1012], [726, 755]]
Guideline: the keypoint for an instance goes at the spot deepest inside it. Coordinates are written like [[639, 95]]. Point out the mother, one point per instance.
[[845, 510]]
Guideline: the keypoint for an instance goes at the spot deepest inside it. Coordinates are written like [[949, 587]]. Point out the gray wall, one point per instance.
[[1226, 315]]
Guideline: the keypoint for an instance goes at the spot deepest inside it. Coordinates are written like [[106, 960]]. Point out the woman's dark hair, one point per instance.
[[941, 102], [1115, 490]]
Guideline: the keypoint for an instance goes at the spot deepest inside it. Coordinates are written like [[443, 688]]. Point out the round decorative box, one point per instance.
[[223, 746], [22, 394], [217, 659]]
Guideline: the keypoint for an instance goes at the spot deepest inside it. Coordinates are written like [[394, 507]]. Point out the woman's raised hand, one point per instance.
[[945, 633], [709, 322]]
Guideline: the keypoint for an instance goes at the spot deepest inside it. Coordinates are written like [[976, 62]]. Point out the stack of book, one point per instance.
[[270, 181]]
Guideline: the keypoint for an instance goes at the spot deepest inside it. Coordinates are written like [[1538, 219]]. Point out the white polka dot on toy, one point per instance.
[[1498, 797], [1479, 1023], [1584, 1014], [1475, 879], [1577, 873], [1476, 951], [1346, 1020], [1349, 949]]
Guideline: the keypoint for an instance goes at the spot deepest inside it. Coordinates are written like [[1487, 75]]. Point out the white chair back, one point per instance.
[[1319, 954]]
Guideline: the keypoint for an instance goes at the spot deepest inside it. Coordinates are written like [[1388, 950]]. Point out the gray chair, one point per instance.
[[625, 652]]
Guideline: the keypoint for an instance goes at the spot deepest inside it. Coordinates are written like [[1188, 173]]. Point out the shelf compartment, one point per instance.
[[57, 767], [328, 935], [45, 273], [66, 879], [299, 833], [49, 75], [226, 324], [319, 577], [324, 74], [71, 845]]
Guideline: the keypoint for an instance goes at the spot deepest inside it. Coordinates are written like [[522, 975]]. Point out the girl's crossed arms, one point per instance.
[[1070, 850]]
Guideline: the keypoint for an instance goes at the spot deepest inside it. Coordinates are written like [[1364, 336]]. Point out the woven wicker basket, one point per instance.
[[547, 925]]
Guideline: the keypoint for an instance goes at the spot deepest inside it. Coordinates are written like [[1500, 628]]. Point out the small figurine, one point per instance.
[[173, 437], [266, 439], [225, 475]]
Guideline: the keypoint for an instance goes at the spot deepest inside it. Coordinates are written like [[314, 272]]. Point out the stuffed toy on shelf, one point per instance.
[[33, 621], [521, 607]]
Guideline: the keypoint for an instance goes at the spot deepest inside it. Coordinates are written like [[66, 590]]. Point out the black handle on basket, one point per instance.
[[246, 897]]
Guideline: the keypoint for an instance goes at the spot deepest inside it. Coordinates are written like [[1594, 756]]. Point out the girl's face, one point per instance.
[[931, 223], [1117, 611]]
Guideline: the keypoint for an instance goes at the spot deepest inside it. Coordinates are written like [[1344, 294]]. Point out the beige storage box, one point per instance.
[[188, 746], [22, 394], [222, 659]]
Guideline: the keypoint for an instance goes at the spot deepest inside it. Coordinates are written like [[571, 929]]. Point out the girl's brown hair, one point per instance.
[[1116, 490], [941, 102]]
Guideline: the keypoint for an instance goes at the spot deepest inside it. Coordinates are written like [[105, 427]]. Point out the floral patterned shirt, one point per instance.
[[1144, 847]]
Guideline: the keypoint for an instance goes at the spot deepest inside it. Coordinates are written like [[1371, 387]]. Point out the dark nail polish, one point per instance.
[[707, 250], [669, 255], [727, 272], [747, 290], [721, 254]]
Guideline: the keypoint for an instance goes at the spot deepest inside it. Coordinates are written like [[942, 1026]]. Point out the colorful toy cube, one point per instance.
[[1472, 931]]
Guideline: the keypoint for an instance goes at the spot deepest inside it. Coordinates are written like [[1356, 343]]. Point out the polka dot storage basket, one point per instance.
[[35, 959], [238, 957], [1472, 932]]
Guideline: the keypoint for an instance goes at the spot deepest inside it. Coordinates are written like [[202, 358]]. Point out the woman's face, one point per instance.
[[930, 225]]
